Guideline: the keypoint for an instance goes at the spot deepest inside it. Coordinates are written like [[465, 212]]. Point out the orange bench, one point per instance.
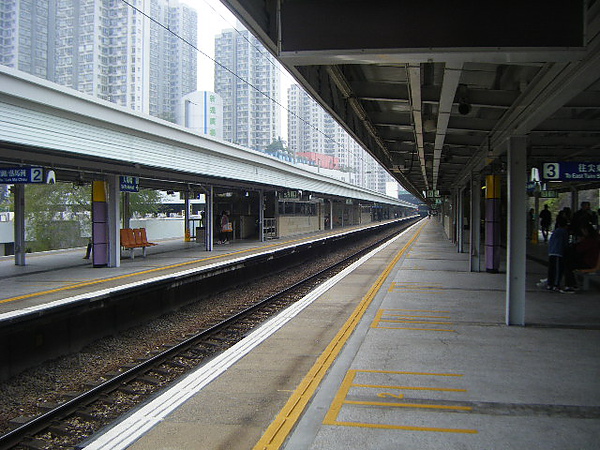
[[135, 238]]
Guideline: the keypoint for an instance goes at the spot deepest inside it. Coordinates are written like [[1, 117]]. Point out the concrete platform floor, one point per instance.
[[428, 363]]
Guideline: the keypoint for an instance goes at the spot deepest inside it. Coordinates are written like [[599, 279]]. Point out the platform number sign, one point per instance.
[[551, 171], [571, 171], [21, 175]]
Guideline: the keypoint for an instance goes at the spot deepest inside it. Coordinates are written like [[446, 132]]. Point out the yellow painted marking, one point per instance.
[[400, 427], [416, 321], [280, 428], [419, 310], [348, 383], [409, 286], [404, 316], [415, 329], [387, 394], [143, 272], [383, 316], [401, 372], [409, 388], [410, 405]]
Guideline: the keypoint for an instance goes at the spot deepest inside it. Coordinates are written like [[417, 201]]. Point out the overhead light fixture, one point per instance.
[[429, 126], [464, 106]]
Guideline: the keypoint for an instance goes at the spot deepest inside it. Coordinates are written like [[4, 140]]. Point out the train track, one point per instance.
[[69, 423]]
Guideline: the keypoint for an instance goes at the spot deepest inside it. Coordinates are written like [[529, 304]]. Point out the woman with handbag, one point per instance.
[[226, 228]]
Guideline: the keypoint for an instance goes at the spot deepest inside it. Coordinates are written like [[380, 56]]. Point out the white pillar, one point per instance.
[[475, 225], [516, 224], [186, 216], [261, 215], [331, 214], [19, 224], [460, 222], [209, 222], [114, 222]]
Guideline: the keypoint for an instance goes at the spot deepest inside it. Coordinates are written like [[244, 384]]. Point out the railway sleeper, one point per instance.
[[148, 379]]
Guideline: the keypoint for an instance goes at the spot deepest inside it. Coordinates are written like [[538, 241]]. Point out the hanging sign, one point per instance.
[[21, 175], [549, 194], [571, 171], [129, 184]]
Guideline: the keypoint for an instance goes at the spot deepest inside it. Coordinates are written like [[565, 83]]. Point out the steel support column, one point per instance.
[[331, 214], [209, 220], [114, 222], [516, 224], [186, 217], [475, 225], [460, 225], [261, 215], [19, 198]]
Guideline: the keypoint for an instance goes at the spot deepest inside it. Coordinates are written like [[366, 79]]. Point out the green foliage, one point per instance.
[[277, 145], [144, 202], [57, 215]]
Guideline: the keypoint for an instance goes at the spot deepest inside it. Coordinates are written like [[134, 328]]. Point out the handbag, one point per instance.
[[227, 227]]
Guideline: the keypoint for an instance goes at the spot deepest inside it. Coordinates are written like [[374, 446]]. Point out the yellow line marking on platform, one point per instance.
[[416, 329], [402, 316], [402, 372], [415, 321], [383, 316], [409, 388], [143, 272], [400, 427], [419, 310], [278, 431], [340, 400], [409, 405]]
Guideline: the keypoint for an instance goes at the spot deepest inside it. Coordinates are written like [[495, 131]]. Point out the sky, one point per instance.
[[212, 18]]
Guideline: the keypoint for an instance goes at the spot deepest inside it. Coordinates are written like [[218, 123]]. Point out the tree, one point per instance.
[[278, 145], [144, 202], [57, 215]]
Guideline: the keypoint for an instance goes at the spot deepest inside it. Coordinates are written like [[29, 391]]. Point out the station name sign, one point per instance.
[[129, 184], [21, 175], [571, 171]]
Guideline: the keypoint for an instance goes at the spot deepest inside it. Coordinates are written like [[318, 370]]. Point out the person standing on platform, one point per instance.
[[557, 247], [545, 222], [225, 228], [581, 218]]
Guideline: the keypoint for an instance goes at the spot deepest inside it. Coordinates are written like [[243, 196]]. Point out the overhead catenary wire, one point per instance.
[[234, 74]]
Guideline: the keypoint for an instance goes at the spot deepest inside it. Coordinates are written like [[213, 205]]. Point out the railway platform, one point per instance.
[[53, 275], [407, 349]]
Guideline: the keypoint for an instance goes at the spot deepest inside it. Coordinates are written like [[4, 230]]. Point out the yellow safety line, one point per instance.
[[409, 405], [403, 316], [280, 428], [409, 388], [397, 372], [422, 322], [401, 427], [143, 272], [414, 329]]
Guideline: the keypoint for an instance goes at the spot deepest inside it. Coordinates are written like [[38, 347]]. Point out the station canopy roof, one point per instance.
[[433, 90]]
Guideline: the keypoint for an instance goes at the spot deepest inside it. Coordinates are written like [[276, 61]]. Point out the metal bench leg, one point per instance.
[[131, 255], [144, 252]]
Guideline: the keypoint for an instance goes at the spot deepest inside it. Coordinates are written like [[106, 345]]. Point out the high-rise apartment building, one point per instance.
[[312, 129], [248, 80], [202, 112], [105, 48]]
